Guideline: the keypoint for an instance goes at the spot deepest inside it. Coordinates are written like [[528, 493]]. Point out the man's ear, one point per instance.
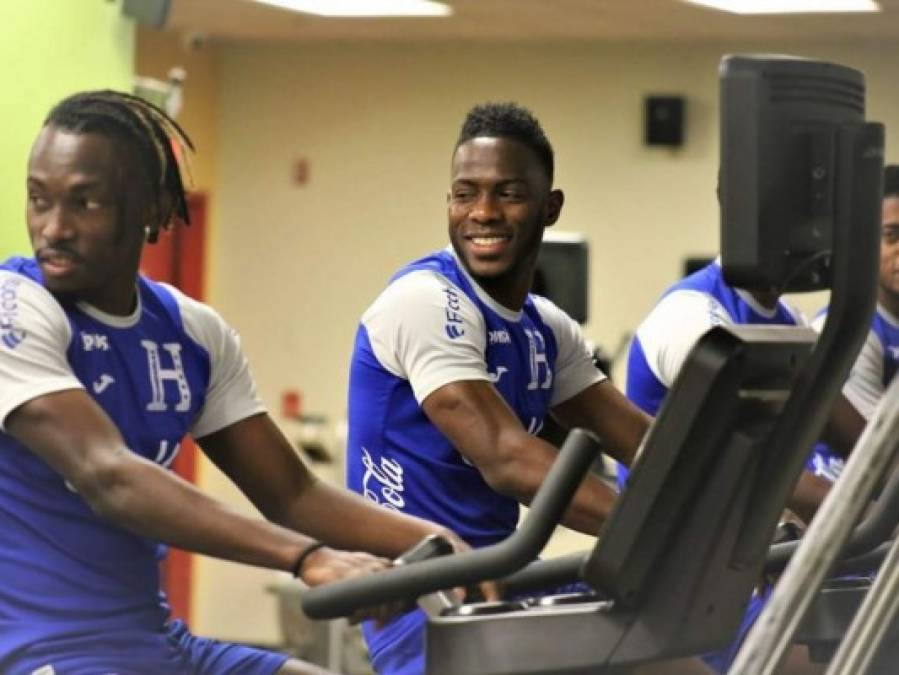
[[161, 213], [158, 216], [554, 207]]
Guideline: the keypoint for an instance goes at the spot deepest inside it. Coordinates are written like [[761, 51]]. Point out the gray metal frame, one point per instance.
[[766, 645]]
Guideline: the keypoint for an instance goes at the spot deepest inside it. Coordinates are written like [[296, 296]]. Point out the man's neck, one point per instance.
[[888, 300]]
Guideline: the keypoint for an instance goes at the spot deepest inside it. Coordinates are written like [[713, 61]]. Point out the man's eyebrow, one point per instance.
[[80, 183]]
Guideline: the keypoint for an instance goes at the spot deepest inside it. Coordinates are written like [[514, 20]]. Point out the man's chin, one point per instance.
[[487, 270], [63, 287]]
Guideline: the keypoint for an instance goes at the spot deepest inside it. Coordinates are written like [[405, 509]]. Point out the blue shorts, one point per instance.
[[399, 647], [171, 651], [721, 660]]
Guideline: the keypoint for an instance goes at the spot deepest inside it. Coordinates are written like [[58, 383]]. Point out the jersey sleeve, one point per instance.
[[674, 326], [575, 370], [864, 386], [818, 322], [798, 315], [425, 330], [231, 395], [34, 337]]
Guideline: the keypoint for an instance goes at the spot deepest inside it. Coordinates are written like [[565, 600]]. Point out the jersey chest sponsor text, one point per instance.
[[167, 385], [145, 386], [382, 481]]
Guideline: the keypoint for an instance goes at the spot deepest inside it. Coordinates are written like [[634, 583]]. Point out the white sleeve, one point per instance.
[[818, 322], [672, 328], [797, 314], [231, 395], [575, 370], [34, 337], [864, 387], [424, 329]]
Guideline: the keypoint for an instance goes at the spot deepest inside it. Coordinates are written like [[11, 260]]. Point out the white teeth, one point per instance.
[[487, 241]]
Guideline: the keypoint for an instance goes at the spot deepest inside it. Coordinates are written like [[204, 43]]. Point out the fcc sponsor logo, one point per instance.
[[11, 336], [454, 323]]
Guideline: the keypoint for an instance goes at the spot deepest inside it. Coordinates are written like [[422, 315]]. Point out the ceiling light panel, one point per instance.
[[788, 6], [363, 8]]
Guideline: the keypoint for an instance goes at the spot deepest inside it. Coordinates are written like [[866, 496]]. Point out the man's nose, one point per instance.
[[55, 226], [485, 209]]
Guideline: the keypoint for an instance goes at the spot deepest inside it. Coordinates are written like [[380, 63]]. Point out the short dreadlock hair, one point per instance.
[[147, 129], [891, 180], [509, 120]]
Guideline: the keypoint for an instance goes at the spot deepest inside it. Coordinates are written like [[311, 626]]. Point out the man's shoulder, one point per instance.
[[440, 262], [22, 266], [426, 281], [21, 284], [708, 279]]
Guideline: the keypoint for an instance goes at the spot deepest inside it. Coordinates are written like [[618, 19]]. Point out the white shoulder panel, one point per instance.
[[672, 328], [34, 336], [424, 329], [574, 369], [232, 395], [864, 387]]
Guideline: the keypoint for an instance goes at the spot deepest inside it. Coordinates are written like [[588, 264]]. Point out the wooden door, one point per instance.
[[178, 258]]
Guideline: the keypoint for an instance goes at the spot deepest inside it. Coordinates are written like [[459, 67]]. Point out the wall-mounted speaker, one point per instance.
[[147, 12], [664, 120], [563, 270]]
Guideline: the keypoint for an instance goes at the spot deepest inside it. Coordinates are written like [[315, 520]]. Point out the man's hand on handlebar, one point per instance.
[[327, 565], [489, 590]]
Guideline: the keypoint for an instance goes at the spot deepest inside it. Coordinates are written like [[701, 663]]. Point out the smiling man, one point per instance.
[[456, 365]]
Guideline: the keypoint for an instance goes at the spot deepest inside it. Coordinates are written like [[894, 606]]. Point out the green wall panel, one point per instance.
[[48, 49]]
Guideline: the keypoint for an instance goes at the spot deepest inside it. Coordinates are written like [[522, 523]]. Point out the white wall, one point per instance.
[[295, 266]]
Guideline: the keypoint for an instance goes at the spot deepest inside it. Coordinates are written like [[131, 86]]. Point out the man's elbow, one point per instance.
[[513, 478], [104, 485]]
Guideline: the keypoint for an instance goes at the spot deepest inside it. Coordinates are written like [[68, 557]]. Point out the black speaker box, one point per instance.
[[665, 120], [148, 12], [562, 274]]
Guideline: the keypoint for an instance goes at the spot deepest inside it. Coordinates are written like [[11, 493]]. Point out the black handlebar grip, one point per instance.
[[408, 582]]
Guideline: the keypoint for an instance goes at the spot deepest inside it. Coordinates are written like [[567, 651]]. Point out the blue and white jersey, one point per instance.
[[869, 377], [876, 363], [432, 326], [171, 368], [687, 311]]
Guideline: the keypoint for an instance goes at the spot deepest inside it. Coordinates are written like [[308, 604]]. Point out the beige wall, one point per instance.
[[295, 266]]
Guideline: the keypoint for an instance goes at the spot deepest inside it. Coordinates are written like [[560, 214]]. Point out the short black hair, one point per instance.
[[509, 120], [147, 129], [891, 180]]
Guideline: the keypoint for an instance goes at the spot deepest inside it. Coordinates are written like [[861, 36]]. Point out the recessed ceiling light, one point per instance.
[[789, 6], [364, 7]]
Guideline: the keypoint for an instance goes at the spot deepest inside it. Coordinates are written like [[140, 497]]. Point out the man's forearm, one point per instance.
[[346, 520], [590, 507], [526, 471], [807, 496], [155, 503]]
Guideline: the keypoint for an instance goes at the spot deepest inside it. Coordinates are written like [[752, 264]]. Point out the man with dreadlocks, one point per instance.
[[103, 373], [456, 365]]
